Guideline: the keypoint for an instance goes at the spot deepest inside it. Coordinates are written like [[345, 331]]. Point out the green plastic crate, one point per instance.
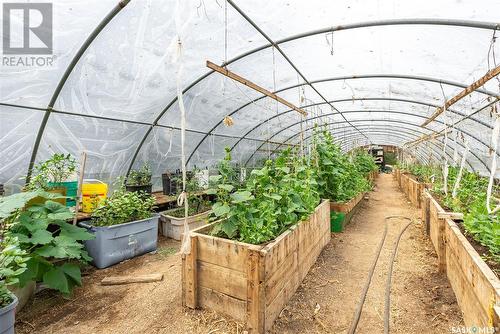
[[337, 221], [71, 191]]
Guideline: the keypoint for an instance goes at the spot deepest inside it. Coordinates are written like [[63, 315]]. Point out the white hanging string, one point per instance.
[[494, 145], [445, 163], [460, 172], [182, 199]]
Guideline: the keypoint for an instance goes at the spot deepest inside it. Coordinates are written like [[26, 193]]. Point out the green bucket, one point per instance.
[[71, 191], [337, 221]]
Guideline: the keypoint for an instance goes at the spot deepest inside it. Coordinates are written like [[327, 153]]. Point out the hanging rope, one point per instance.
[[182, 199], [445, 163], [460, 172], [494, 145]]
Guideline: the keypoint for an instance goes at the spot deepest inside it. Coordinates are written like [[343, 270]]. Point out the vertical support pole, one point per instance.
[[442, 245], [426, 213], [255, 294], [190, 276]]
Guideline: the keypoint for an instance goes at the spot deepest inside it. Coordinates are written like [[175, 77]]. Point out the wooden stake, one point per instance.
[[475, 85], [83, 160], [117, 280], [254, 86]]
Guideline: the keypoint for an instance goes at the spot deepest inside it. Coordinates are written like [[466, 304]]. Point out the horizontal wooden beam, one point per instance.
[[469, 89], [254, 86], [117, 280], [451, 215]]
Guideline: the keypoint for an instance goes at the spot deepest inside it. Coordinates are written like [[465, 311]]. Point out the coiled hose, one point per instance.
[[359, 307]]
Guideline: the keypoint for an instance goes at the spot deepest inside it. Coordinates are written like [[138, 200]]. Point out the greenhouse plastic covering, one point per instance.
[[370, 71]]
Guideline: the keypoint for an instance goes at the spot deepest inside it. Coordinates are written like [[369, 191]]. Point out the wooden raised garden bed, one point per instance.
[[252, 283], [412, 188], [476, 287], [346, 209]]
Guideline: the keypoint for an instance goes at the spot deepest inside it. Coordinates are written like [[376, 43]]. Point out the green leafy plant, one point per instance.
[[339, 179], [57, 169], [364, 162], [51, 243], [12, 265], [140, 177], [123, 207], [271, 200], [470, 199]]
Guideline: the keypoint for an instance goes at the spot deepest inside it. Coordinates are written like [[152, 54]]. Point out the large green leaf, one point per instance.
[[56, 279], [41, 237], [241, 196], [220, 209], [75, 232], [73, 271]]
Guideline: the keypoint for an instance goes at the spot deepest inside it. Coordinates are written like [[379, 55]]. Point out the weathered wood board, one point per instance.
[[476, 287], [252, 283]]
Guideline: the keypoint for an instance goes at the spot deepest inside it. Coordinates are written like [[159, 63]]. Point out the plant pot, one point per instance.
[[23, 294], [145, 188], [171, 183], [173, 227], [8, 317], [113, 244]]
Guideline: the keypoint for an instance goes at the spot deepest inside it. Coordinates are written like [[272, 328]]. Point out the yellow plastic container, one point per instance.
[[94, 192]]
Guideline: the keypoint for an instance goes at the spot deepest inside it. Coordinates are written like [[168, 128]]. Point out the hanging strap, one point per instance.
[[182, 199], [459, 176], [494, 145]]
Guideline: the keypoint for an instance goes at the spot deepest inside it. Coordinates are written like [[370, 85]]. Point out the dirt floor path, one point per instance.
[[422, 300]]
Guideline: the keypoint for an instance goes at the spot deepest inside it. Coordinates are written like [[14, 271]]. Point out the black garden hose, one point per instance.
[[361, 302], [387, 310], [359, 308]]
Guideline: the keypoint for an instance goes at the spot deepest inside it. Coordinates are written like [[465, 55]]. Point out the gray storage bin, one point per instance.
[[8, 317], [113, 244]]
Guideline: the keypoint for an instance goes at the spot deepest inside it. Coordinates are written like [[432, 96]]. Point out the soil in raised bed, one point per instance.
[[483, 251]]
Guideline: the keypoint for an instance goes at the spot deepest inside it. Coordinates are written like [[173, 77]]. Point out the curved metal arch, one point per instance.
[[387, 111], [385, 130], [442, 22], [355, 136], [392, 131], [369, 76], [397, 122], [100, 27], [358, 99]]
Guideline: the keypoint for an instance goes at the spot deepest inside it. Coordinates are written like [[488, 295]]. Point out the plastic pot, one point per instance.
[[173, 227], [23, 294], [144, 188], [113, 244], [8, 317]]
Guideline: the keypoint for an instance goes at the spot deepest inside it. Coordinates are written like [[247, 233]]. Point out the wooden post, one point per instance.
[[442, 245], [190, 290], [83, 161], [426, 214], [255, 294]]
